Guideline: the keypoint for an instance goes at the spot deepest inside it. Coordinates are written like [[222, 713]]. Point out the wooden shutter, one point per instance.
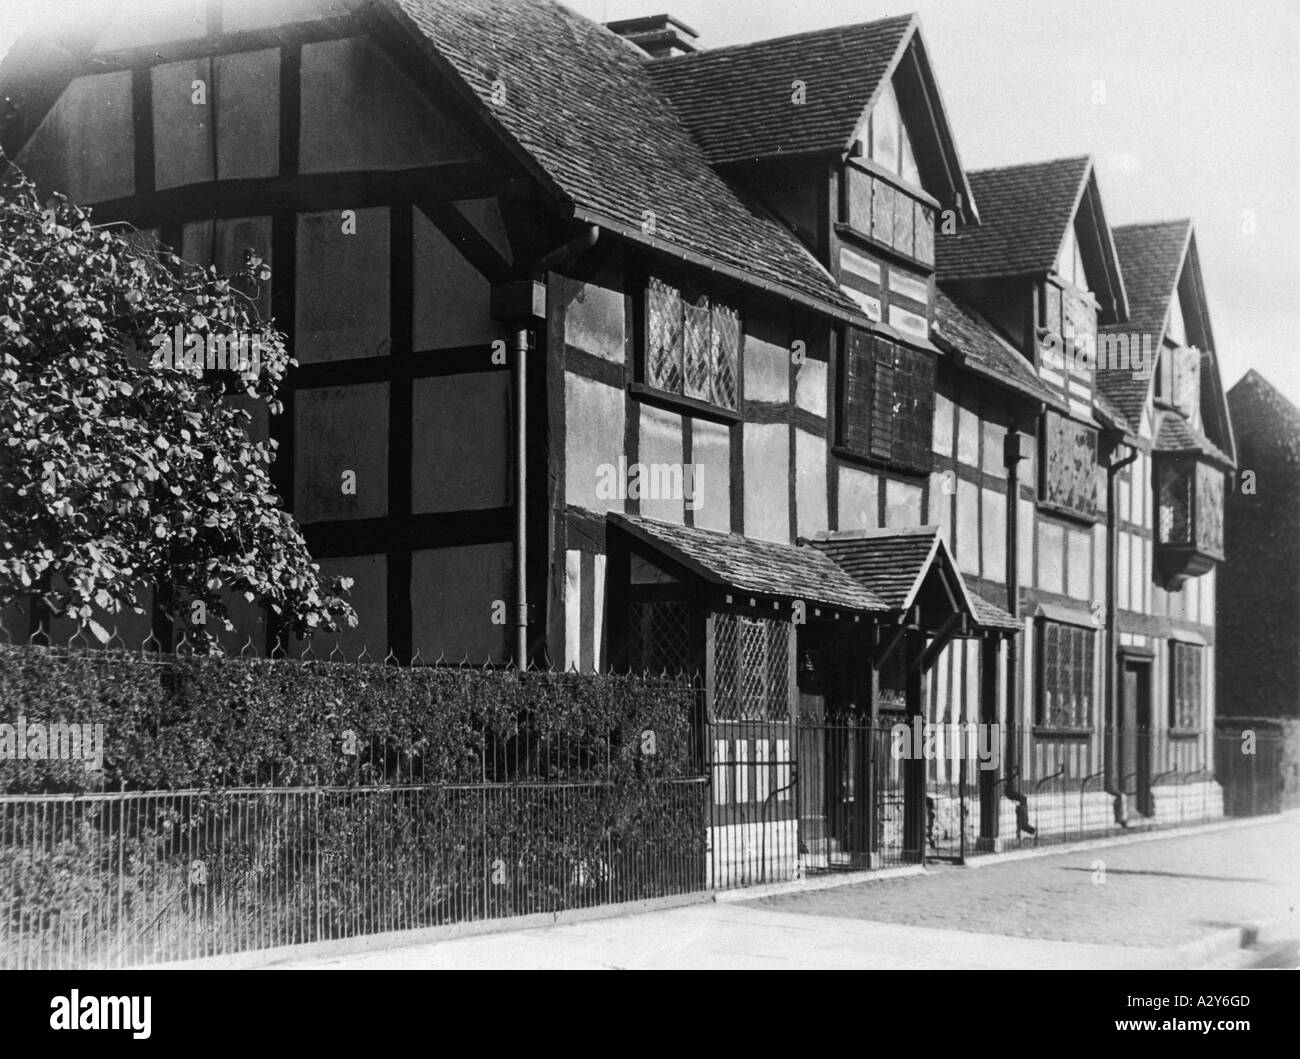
[[1209, 508], [882, 400], [1187, 380], [1069, 465], [855, 420], [913, 416]]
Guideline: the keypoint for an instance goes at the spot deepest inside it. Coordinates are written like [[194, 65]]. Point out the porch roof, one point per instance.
[[754, 566], [1174, 434], [893, 564]]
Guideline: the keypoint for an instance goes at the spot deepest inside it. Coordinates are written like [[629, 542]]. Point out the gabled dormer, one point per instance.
[[1042, 267], [842, 134], [1180, 404]]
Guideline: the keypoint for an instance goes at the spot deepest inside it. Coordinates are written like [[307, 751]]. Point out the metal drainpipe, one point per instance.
[[1110, 743], [1011, 458], [552, 260], [521, 498]]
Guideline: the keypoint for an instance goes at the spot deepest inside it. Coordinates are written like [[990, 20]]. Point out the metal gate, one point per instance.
[[794, 798]]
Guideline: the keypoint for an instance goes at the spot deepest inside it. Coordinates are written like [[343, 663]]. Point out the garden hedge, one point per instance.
[[209, 721]]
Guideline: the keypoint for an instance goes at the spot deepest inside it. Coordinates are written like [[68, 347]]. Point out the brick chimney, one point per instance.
[[658, 36]]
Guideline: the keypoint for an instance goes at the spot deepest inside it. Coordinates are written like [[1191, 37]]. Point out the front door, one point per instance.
[[833, 770], [1135, 733]]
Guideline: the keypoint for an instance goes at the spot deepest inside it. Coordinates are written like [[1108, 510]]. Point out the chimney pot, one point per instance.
[[659, 36]]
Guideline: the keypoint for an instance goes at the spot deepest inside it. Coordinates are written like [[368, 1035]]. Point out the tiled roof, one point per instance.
[[1151, 256], [581, 105], [1125, 392], [992, 616], [1110, 414], [891, 564], [888, 562], [1258, 408], [1024, 211], [1175, 434], [757, 566], [983, 351], [737, 100]]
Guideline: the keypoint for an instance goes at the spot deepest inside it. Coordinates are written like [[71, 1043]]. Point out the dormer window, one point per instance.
[[884, 137]]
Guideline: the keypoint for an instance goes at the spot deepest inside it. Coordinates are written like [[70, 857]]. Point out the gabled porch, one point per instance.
[[812, 656]]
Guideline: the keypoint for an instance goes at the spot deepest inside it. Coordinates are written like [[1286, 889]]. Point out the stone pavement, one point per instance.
[[1164, 892], [1120, 907]]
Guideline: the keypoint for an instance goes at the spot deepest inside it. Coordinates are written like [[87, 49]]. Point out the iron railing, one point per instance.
[[107, 880], [537, 824]]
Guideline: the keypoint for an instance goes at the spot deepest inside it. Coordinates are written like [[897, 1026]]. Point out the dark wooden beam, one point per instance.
[[471, 243], [401, 399], [304, 193], [332, 540], [142, 118], [294, 34], [955, 623], [896, 641]]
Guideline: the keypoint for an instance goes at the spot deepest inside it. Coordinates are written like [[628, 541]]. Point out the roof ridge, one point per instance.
[[1019, 166], [1140, 225], [830, 536], [808, 34], [1261, 383]]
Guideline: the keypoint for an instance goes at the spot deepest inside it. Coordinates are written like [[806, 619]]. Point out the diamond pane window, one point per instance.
[[1185, 685], [664, 348], [659, 637], [695, 346], [1174, 503], [1067, 656], [692, 345], [725, 349], [1189, 516], [751, 668]]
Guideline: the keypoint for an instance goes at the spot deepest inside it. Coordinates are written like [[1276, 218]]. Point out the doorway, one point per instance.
[[1135, 734]]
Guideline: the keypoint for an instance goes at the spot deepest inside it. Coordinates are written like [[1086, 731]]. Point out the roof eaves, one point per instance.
[[839, 310]]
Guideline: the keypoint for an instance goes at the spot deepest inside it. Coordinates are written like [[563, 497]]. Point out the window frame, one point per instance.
[[1086, 635], [642, 384], [1178, 649], [777, 641], [916, 457]]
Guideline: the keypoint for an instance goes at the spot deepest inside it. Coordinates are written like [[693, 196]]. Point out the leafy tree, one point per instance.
[[119, 470]]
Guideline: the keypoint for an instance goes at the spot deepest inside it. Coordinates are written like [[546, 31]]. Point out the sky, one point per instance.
[[1197, 116], [1188, 106]]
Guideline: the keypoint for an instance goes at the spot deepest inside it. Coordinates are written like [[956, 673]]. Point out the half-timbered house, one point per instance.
[[641, 355]]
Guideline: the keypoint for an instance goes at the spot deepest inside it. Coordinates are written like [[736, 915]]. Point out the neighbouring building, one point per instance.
[[1259, 665], [707, 360], [1259, 661]]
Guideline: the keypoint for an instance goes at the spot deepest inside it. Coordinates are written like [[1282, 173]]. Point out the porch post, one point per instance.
[[988, 715], [914, 765], [876, 744]]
